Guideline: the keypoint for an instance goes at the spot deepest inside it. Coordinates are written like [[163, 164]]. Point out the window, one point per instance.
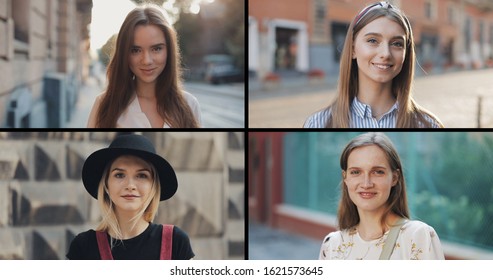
[[20, 14]]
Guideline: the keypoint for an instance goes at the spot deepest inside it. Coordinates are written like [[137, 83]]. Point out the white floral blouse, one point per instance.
[[416, 241]]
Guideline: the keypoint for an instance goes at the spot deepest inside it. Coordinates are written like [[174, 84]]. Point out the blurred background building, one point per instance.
[[43, 60], [294, 189], [43, 203], [306, 37]]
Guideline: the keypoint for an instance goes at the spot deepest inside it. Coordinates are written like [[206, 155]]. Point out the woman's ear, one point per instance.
[[395, 177]]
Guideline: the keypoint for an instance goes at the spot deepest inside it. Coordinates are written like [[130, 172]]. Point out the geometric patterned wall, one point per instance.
[[43, 203]]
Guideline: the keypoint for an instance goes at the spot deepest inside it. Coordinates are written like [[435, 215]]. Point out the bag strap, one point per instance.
[[388, 246], [166, 242], [103, 245]]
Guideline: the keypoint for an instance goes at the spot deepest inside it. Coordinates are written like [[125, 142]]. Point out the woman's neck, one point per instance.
[[370, 226], [146, 91], [378, 96], [129, 228]]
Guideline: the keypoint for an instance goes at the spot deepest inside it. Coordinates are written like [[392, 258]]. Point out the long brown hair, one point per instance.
[[410, 114], [171, 103], [347, 214]]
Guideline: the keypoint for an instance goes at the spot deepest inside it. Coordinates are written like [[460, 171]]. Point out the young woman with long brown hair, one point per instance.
[[373, 213], [144, 78], [376, 75]]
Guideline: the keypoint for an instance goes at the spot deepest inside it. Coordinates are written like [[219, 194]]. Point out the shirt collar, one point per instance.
[[363, 110]]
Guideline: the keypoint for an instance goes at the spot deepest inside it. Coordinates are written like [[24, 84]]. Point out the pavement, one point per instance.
[[266, 243], [454, 97], [87, 95]]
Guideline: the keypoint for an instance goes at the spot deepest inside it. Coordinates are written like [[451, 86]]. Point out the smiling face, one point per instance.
[[369, 179], [379, 50], [130, 182], [148, 54]]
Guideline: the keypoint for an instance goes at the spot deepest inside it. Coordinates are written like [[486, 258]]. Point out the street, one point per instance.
[[222, 106], [452, 97]]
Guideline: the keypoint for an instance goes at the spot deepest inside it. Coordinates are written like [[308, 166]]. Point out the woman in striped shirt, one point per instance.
[[376, 73]]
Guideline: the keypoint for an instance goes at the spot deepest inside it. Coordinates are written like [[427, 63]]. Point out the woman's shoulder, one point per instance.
[[178, 233], [318, 119], [431, 120], [414, 228], [191, 99], [335, 237]]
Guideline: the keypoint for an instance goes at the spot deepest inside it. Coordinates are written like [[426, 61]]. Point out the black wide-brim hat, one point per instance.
[[135, 145]]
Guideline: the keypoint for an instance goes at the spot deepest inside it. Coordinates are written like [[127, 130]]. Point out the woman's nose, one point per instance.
[[367, 183], [384, 50], [146, 58], [131, 185]]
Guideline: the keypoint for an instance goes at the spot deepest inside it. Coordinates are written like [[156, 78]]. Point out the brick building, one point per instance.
[[43, 60], [43, 203], [293, 36]]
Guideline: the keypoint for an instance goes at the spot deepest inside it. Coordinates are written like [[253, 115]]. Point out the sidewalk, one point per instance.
[[453, 97], [87, 95], [265, 243]]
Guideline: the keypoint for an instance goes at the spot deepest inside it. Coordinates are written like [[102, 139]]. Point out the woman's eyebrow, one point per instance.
[[153, 46], [373, 167], [380, 35]]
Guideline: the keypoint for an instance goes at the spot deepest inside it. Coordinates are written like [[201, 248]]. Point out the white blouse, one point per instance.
[[133, 117], [416, 241]]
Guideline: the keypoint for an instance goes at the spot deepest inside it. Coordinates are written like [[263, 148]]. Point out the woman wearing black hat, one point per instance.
[[129, 179]]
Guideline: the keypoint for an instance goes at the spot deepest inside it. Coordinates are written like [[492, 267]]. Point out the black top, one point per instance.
[[145, 246]]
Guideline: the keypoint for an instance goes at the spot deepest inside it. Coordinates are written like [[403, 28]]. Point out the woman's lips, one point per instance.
[[130, 197], [367, 195], [382, 66], [147, 71]]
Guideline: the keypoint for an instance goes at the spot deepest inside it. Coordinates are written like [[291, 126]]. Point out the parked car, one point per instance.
[[223, 73]]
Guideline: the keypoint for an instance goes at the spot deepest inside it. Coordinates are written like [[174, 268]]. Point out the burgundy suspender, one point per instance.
[[166, 244], [104, 247]]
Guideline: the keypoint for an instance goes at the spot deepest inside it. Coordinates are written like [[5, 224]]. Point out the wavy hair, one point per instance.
[[347, 214], [171, 103], [410, 114]]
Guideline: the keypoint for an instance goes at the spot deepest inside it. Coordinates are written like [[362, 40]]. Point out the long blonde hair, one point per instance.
[[109, 222], [347, 214], [410, 114], [171, 103]]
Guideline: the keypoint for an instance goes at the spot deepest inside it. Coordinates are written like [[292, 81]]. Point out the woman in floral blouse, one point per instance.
[[373, 201]]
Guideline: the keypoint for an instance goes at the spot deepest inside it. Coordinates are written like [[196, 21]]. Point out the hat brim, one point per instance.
[[94, 166]]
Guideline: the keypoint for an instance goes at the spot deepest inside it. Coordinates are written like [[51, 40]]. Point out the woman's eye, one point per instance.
[[354, 172], [398, 44], [134, 50], [379, 172], [372, 41], [142, 176], [157, 49], [119, 175]]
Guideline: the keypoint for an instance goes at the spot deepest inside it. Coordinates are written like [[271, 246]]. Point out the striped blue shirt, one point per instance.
[[362, 117]]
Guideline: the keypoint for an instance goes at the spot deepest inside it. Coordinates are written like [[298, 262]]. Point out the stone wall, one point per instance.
[[43, 60], [43, 203]]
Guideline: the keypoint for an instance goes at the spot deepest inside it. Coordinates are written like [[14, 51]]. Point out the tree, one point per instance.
[[107, 50]]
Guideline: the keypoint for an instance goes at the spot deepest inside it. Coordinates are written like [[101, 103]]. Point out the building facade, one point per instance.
[[44, 47], [299, 36]]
